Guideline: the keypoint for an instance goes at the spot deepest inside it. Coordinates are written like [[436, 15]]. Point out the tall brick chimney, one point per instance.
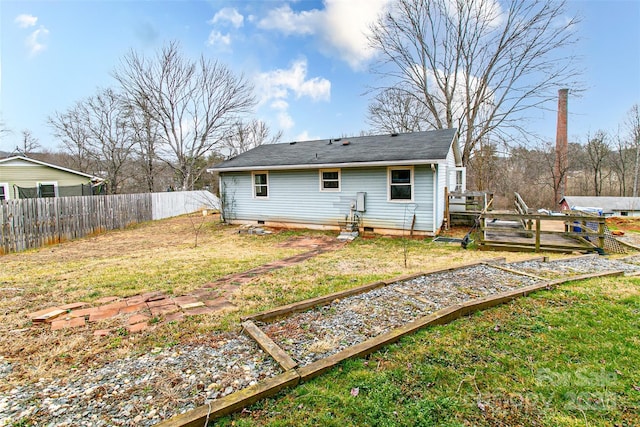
[[562, 147]]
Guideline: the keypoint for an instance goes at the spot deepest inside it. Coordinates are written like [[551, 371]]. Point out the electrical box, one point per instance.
[[360, 201]]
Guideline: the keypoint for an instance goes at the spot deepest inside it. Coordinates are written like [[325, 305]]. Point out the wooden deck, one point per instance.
[[541, 233]]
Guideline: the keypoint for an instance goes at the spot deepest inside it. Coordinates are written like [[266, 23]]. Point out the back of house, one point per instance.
[[388, 184]]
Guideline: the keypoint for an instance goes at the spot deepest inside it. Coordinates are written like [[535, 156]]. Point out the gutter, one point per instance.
[[328, 165]]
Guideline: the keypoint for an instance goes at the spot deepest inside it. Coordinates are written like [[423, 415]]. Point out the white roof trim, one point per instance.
[[330, 165], [38, 162]]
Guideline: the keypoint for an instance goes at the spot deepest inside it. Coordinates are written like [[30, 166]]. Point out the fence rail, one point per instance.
[[32, 223]]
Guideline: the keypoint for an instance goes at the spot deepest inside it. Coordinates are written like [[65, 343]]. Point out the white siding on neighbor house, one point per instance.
[[295, 196]]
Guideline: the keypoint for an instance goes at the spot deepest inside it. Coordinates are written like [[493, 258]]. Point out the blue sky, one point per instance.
[[308, 59]]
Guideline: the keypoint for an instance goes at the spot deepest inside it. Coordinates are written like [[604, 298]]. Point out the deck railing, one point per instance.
[[542, 232]]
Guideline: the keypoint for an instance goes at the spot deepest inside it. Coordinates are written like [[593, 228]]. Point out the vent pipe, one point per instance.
[[562, 147]]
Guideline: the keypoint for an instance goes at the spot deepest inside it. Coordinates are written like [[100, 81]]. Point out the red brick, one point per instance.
[[174, 317], [102, 314], [215, 301], [164, 309], [187, 299], [199, 310], [105, 300], [158, 303], [138, 327], [83, 312], [136, 300], [116, 305], [101, 332], [64, 323], [133, 308], [138, 318]]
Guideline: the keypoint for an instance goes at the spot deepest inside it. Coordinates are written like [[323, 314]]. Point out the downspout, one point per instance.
[[434, 169]]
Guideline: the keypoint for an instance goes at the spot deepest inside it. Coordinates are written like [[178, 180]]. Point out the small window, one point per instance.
[[401, 184], [624, 213], [47, 189], [329, 179], [260, 184], [4, 191]]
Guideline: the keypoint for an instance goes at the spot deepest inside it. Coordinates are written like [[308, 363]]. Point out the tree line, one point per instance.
[[604, 163], [166, 119]]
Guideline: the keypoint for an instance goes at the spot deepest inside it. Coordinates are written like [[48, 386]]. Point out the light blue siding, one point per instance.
[[295, 197]]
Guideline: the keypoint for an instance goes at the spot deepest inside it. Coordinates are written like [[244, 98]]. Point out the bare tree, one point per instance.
[[110, 134], [598, 151], [146, 135], [632, 124], [193, 103], [69, 128], [244, 136], [394, 111], [475, 65], [28, 142]]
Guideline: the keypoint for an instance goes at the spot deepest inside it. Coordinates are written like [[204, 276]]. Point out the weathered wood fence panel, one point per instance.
[[32, 223]]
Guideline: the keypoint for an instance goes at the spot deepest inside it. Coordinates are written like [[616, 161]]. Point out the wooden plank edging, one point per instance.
[[267, 344], [267, 388], [326, 299]]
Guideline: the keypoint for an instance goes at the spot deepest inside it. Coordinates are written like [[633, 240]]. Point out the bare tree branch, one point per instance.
[[474, 65]]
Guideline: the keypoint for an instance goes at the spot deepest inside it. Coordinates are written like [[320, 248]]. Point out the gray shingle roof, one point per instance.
[[410, 147]]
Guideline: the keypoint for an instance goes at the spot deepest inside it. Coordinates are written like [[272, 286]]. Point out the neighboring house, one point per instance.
[[22, 177], [607, 206], [388, 184]]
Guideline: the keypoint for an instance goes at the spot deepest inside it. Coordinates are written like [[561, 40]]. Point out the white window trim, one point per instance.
[[412, 183], [253, 185], [330, 190], [54, 183], [5, 186]]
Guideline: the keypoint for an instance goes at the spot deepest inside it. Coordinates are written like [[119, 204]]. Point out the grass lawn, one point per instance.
[[557, 358], [566, 357]]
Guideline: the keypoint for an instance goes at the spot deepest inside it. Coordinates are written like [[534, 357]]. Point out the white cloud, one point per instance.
[[217, 39], [279, 84], [284, 19], [228, 14], [35, 41], [341, 27], [285, 121], [304, 136], [26, 21]]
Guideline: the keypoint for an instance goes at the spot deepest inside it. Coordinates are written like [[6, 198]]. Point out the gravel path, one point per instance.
[[127, 391], [147, 389]]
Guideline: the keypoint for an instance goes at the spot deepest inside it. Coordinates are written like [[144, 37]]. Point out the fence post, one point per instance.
[[537, 234]]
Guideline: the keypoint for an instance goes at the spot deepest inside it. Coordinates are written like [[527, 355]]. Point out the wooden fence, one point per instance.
[[32, 223]]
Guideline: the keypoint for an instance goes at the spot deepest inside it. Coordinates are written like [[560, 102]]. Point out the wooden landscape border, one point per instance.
[[293, 376], [326, 299]]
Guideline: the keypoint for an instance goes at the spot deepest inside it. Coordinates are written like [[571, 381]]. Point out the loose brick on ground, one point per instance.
[[174, 317], [138, 318], [101, 332], [102, 314], [49, 316], [67, 323], [160, 302], [105, 300], [199, 310], [133, 308], [138, 327], [164, 309], [84, 312]]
